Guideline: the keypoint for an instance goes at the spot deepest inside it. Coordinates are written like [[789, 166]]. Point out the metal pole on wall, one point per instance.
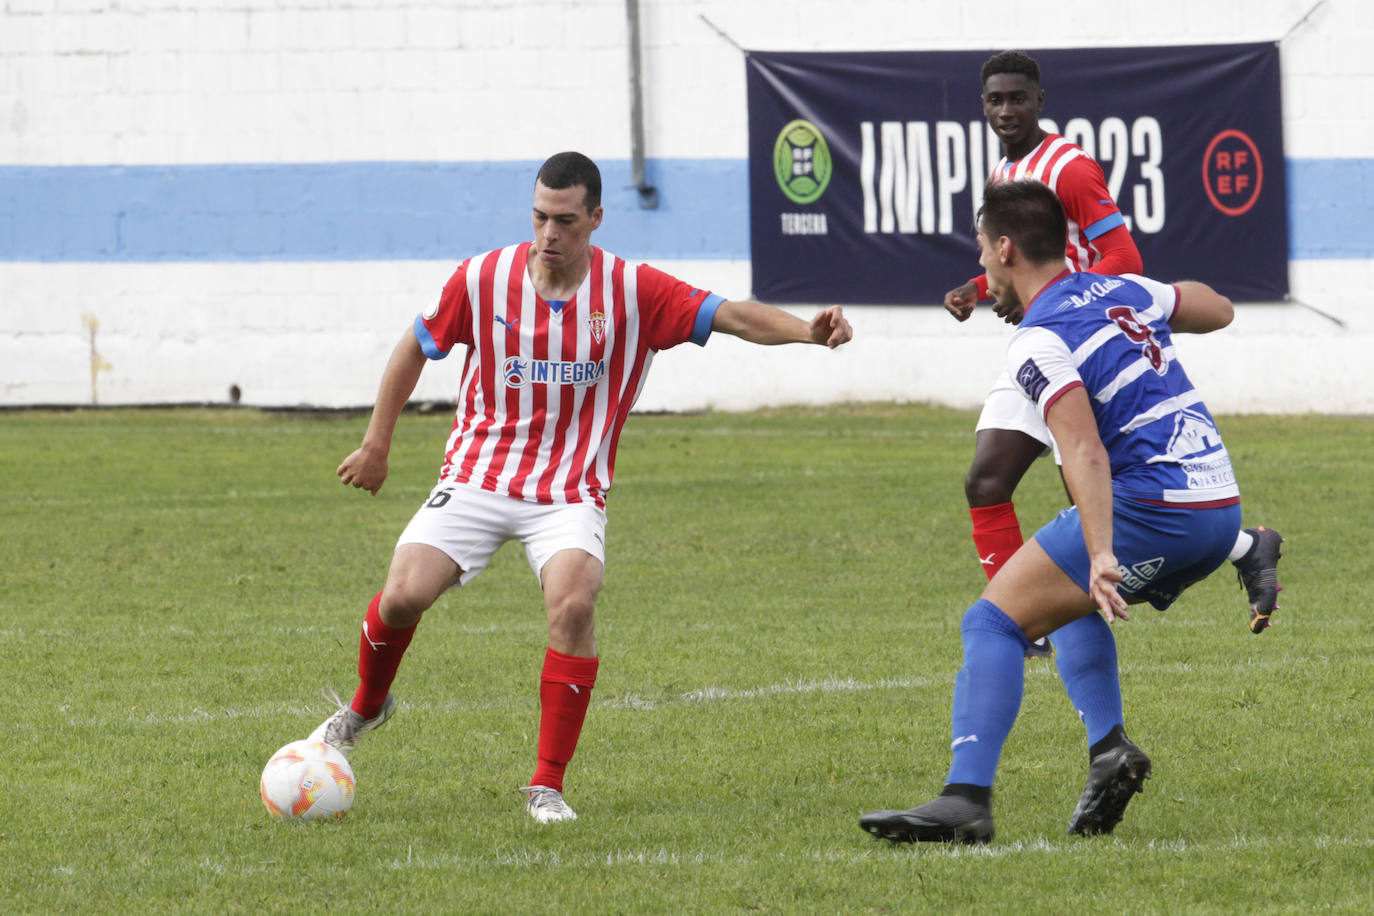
[[648, 194]]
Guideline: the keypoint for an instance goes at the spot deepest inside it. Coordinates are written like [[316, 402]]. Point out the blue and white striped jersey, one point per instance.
[[1111, 336]]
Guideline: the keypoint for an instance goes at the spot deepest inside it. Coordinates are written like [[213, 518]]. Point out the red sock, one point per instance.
[[379, 655], [565, 689], [996, 535]]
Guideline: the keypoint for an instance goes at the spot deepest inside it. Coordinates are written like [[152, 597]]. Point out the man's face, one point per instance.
[[1008, 307], [1012, 103], [562, 225]]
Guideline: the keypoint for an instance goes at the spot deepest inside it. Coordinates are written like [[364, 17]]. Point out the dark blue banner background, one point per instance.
[[865, 169]]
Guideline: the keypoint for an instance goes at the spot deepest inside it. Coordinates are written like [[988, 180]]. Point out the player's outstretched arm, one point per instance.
[[366, 467], [1200, 309], [764, 324], [1087, 474]]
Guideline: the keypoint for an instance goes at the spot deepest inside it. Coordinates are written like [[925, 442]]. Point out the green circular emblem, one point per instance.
[[801, 161]]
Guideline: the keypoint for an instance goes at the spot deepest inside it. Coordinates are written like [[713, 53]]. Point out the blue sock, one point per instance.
[[1085, 653], [987, 692]]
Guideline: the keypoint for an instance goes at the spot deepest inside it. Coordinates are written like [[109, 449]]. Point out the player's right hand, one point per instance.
[[366, 469], [960, 301], [1103, 577]]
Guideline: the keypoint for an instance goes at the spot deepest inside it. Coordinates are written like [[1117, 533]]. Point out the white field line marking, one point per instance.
[[634, 702], [866, 852], [631, 702], [873, 852]]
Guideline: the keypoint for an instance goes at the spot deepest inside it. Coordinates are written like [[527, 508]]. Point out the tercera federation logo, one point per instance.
[[801, 161]]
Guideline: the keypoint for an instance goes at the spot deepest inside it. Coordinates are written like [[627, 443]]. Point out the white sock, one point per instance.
[[1244, 540]]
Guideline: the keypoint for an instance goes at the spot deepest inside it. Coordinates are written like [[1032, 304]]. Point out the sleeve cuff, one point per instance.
[[1104, 225], [426, 340], [706, 313], [1049, 401]]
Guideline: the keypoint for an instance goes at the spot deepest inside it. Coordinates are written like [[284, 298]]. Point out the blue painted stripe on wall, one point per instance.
[[1329, 206], [436, 210], [350, 211]]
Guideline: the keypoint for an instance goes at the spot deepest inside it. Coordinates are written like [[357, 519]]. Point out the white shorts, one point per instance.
[[1007, 408], [470, 524]]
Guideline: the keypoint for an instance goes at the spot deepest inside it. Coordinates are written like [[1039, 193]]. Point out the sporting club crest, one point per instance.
[[596, 321]]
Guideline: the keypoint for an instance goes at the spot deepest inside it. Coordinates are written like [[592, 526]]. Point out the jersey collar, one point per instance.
[[1059, 278]]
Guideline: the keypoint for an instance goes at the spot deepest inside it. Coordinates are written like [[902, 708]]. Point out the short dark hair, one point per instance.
[[1012, 62], [1028, 213], [568, 170]]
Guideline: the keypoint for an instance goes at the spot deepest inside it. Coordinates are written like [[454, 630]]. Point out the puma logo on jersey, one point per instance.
[[508, 325], [370, 641]]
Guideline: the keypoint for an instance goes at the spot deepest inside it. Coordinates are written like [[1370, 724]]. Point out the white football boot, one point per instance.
[[546, 805], [341, 730]]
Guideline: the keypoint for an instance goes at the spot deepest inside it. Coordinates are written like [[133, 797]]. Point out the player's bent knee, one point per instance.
[[406, 597], [983, 488], [402, 607]]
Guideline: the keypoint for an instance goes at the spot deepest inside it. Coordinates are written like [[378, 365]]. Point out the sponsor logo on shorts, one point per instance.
[[519, 372], [1138, 575]]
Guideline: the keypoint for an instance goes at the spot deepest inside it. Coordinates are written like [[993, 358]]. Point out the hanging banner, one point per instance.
[[866, 169]]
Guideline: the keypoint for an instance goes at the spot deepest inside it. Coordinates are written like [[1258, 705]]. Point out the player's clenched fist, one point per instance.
[[366, 469]]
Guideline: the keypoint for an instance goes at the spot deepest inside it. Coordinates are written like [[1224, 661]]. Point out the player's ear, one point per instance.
[[1005, 247], [596, 218]]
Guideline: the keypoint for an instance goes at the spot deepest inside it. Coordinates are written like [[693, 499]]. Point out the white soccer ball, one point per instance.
[[307, 781]]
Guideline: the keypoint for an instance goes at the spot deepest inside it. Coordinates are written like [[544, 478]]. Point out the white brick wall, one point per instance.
[[240, 81], [182, 82]]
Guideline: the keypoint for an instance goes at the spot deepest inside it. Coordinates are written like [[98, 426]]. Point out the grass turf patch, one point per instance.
[[779, 637]]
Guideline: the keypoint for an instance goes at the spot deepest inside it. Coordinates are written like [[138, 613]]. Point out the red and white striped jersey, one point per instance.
[[1078, 182], [546, 389]]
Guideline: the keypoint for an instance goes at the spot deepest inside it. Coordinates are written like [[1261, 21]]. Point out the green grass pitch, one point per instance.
[[779, 637]]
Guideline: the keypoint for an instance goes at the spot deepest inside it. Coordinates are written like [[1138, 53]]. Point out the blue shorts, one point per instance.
[[1161, 549]]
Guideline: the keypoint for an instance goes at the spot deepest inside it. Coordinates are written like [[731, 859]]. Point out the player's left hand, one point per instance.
[[1103, 576], [831, 328], [365, 468]]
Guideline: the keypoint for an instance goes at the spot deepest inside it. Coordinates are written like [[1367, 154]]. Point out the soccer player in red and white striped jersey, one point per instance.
[[547, 387], [557, 337], [1099, 241], [1010, 437]]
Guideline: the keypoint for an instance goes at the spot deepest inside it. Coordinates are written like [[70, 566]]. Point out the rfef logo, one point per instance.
[[1232, 172], [801, 161]]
